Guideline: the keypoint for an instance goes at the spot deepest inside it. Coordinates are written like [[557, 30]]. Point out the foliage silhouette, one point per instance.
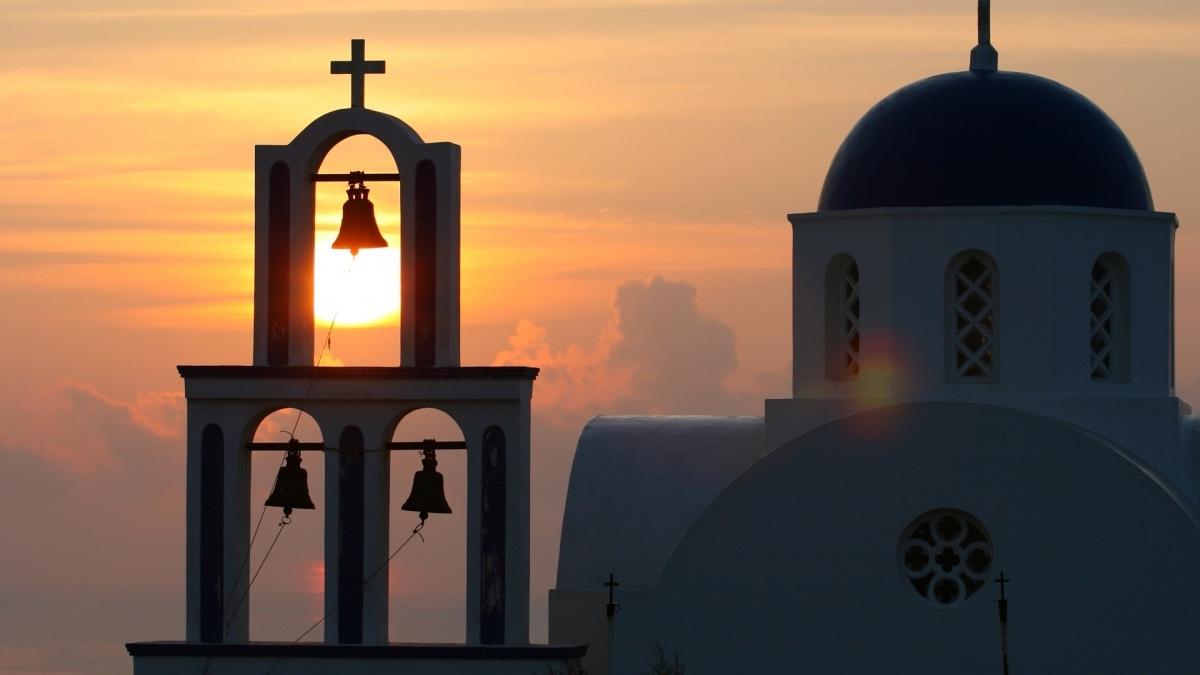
[[662, 665]]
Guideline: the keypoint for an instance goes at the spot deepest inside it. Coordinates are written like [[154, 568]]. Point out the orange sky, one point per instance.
[[603, 142]]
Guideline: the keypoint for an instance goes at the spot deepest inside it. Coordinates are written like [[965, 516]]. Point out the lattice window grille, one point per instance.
[[974, 319], [850, 341], [1103, 306], [946, 556]]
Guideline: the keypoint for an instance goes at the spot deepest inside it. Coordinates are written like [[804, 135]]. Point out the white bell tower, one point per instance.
[[357, 409]]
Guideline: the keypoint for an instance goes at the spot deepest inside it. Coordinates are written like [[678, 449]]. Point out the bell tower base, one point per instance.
[[169, 658], [357, 410]]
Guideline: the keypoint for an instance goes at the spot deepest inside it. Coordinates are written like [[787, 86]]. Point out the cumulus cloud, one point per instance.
[[76, 426], [679, 357], [660, 353], [571, 379]]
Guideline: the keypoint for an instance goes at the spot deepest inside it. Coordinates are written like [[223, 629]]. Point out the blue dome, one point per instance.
[[985, 138]]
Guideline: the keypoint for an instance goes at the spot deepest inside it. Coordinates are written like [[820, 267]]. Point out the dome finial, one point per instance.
[[984, 56]]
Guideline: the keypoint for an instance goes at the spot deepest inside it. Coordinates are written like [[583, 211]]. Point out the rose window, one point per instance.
[[945, 556]]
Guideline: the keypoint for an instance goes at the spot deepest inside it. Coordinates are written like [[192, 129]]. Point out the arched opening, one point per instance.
[[360, 294], [843, 339], [288, 595], [971, 318], [426, 585], [1108, 308]]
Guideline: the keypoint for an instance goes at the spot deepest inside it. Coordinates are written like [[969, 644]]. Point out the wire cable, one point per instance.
[[228, 617], [416, 532], [326, 348], [237, 578], [284, 522]]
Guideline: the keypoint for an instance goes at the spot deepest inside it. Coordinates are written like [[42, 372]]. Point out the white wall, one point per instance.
[[1044, 257], [794, 567]]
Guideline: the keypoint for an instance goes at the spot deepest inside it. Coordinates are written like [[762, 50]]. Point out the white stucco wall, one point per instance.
[[794, 567], [637, 484], [1044, 256]]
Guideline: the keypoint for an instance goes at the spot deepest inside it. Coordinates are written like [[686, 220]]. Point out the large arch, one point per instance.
[[428, 175], [276, 609], [825, 513], [413, 583]]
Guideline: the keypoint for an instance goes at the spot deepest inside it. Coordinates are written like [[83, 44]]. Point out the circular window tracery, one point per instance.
[[945, 555]]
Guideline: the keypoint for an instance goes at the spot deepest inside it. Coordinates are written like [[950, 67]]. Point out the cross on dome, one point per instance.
[[984, 56], [357, 68]]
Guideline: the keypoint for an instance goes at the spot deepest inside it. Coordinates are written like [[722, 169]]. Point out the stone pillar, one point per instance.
[[332, 508], [237, 525], [498, 524], [350, 540], [376, 546]]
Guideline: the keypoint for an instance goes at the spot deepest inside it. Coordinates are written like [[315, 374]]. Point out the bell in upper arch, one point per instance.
[[291, 485], [359, 229], [428, 493]]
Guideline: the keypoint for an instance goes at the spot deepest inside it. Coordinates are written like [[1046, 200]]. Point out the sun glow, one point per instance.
[[359, 291]]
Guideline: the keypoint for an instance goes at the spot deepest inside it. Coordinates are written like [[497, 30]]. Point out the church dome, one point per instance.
[[985, 138]]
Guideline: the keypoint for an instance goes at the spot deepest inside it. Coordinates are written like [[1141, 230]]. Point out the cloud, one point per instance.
[[104, 477], [573, 379], [660, 353], [76, 426], [679, 357]]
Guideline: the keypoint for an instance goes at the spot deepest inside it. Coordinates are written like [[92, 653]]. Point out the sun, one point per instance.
[[360, 291]]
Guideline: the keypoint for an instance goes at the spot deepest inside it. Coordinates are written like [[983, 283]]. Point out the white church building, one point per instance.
[[983, 411], [983, 383]]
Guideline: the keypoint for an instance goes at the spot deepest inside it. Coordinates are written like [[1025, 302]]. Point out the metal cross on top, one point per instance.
[[357, 68]]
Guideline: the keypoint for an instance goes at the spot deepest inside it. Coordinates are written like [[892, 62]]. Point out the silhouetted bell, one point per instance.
[[291, 486], [428, 494], [359, 229]]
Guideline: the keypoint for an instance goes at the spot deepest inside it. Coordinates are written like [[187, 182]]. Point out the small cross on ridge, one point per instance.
[[357, 68], [611, 607], [1002, 580]]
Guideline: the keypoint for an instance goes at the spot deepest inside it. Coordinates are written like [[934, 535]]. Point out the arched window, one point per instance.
[[843, 338], [1109, 325], [971, 317]]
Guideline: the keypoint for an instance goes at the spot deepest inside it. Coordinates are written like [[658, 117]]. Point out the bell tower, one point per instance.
[[357, 410], [427, 175]]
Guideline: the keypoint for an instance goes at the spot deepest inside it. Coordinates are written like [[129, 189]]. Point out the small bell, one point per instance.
[[428, 494], [359, 229], [291, 486]]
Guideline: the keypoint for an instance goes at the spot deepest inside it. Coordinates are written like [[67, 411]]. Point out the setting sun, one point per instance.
[[359, 291]]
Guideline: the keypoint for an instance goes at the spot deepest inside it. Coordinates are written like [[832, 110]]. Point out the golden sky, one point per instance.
[[603, 142]]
